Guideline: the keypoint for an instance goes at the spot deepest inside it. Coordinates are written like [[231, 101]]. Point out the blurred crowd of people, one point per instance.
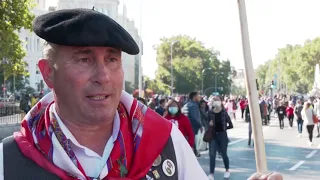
[[194, 115], [29, 100]]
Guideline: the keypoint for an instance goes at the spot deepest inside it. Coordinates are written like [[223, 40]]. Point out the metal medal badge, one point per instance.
[[157, 162], [168, 168], [156, 174]]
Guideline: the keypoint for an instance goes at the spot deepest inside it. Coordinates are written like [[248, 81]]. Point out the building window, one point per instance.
[[27, 42]]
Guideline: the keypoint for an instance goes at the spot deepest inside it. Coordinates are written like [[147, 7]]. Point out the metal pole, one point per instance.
[[203, 71], [140, 53], [4, 84], [202, 83], [4, 79], [171, 68], [278, 77], [14, 82], [215, 82], [260, 153]]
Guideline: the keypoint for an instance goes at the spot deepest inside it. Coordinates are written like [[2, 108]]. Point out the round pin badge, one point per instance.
[[168, 168], [157, 162]]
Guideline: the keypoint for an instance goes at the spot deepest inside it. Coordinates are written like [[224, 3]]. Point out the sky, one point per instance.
[[272, 25]]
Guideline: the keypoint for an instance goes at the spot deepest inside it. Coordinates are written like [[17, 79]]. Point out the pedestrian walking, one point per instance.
[[290, 113], [243, 105], [281, 110], [174, 115], [317, 113], [192, 111], [220, 121], [307, 114], [297, 112], [249, 124]]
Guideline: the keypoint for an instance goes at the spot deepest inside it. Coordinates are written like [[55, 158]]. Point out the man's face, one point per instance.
[[163, 104], [197, 98], [87, 81]]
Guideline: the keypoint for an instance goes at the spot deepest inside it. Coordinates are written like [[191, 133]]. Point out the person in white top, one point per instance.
[[229, 106], [307, 115]]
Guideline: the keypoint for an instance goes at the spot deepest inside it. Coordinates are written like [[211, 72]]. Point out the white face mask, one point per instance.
[[217, 103]]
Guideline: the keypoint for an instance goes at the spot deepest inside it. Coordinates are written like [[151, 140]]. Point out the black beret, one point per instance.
[[83, 27]]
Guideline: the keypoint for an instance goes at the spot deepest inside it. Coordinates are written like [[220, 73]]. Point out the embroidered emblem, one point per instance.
[[168, 167], [156, 174], [157, 162], [123, 170]]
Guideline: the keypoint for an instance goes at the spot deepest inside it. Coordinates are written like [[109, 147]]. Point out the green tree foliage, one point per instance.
[[238, 90], [190, 58], [294, 65], [157, 86], [263, 77], [14, 15]]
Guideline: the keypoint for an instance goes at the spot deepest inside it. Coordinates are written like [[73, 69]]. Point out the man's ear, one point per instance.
[[46, 69]]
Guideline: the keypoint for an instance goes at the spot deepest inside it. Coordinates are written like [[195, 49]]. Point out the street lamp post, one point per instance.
[[172, 43], [4, 61], [203, 78], [215, 80]]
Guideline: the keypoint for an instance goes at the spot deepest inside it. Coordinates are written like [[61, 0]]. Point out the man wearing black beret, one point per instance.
[[88, 127]]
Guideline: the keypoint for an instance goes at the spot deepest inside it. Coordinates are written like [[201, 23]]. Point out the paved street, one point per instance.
[[286, 153]]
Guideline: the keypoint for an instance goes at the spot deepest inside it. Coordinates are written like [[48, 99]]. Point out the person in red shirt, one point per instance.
[[173, 114], [290, 113], [243, 105]]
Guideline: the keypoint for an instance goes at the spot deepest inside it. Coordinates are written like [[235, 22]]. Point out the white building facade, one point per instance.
[[33, 44]]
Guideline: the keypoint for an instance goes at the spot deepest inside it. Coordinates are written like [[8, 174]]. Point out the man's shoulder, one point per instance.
[[192, 105]]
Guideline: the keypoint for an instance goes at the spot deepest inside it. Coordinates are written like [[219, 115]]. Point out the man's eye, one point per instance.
[[83, 60], [113, 60]]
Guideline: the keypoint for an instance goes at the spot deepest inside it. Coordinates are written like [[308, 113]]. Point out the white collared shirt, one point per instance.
[[93, 164]]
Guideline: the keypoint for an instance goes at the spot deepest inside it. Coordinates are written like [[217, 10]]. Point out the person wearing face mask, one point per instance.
[[220, 121], [173, 114]]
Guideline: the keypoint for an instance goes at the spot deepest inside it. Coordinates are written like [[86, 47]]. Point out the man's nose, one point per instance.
[[102, 73]]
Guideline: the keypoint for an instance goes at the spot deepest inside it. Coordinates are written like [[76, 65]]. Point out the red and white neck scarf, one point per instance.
[[40, 123]]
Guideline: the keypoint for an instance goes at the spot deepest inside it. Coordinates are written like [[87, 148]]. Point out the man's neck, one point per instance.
[[94, 137]]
